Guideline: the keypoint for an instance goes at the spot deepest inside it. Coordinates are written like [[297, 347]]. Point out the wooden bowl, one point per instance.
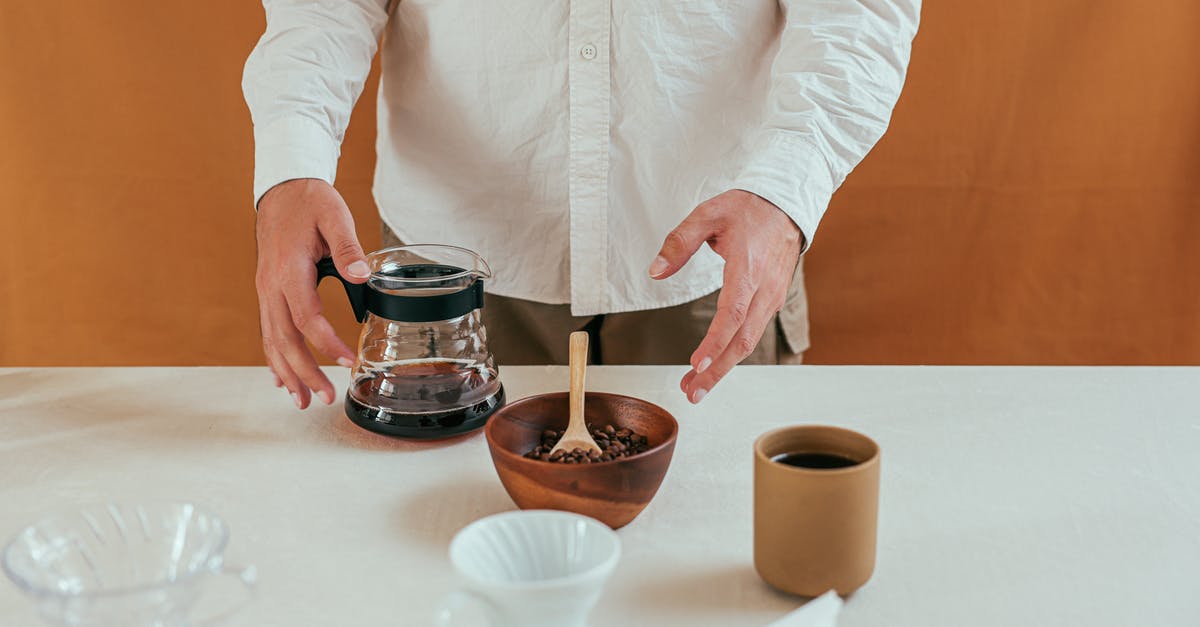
[[612, 492]]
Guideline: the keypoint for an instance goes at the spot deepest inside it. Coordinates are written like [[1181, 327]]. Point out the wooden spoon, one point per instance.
[[576, 435]]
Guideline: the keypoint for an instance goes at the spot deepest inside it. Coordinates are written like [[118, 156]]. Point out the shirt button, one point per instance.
[[588, 51]]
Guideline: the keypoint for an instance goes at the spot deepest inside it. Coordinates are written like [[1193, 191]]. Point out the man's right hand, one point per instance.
[[300, 222]]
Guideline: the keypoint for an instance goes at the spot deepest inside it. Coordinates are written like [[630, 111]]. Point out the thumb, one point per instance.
[[347, 253], [679, 246]]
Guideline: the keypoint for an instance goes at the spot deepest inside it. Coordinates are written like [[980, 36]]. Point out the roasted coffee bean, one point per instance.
[[614, 443]]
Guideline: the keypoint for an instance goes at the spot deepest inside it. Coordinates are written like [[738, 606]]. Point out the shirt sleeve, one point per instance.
[[301, 82], [834, 82]]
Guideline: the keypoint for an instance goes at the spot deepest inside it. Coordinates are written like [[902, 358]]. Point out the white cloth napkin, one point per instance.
[[819, 612]]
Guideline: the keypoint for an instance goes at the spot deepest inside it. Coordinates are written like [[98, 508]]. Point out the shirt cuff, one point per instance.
[[292, 147], [792, 174]]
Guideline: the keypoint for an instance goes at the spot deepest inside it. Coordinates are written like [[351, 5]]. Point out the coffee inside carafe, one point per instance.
[[431, 393]]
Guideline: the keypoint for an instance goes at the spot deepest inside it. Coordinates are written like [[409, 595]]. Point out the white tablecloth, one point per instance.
[[1011, 496]]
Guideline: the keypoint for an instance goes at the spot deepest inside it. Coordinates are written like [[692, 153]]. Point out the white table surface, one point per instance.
[[1011, 496]]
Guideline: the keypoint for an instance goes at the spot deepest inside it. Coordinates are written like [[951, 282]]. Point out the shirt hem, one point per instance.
[[700, 291]]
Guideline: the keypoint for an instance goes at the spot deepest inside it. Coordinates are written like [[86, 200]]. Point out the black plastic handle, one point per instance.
[[408, 308], [356, 292], [426, 308]]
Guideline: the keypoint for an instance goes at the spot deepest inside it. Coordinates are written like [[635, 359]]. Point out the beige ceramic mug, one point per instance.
[[814, 527]]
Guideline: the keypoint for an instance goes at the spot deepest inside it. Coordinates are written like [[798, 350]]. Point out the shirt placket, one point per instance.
[[589, 86]]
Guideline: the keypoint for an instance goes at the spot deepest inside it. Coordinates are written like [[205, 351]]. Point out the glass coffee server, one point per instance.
[[424, 369]]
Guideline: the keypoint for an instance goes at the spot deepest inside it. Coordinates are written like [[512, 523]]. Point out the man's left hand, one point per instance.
[[761, 247]]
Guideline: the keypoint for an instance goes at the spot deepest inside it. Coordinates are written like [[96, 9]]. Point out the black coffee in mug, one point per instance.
[[819, 461]]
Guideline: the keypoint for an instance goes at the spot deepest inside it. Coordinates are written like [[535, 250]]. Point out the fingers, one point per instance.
[[680, 245], [337, 229], [733, 311], [686, 383], [284, 375], [742, 343], [304, 304], [294, 363]]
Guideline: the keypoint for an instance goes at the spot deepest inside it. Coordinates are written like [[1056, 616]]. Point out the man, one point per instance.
[[587, 149]]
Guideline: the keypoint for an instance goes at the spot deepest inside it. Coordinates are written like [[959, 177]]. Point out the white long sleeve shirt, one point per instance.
[[563, 140]]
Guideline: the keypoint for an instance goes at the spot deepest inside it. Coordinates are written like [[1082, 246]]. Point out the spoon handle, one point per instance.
[[578, 361]]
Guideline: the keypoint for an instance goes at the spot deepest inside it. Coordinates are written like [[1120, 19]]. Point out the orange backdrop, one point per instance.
[[1035, 200]]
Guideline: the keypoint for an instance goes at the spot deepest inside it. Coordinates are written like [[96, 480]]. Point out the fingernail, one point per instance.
[[359, 270], [659, 266], [704, 364], [345, 362], [326, 396], [296, 397], [699, 395]]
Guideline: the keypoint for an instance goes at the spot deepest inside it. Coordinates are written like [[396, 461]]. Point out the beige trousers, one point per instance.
[[523, 332]]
